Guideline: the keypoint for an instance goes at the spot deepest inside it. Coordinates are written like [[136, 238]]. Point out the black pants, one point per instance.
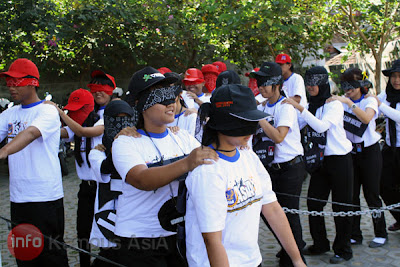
[[108, 253], [150, 252], [84, 219], [390, 179], [367, 172], [289, 180], [336, 175], [48, 217]]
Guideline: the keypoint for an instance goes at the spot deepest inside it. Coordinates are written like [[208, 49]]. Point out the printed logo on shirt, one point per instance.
[[15, 128], [241, 194]]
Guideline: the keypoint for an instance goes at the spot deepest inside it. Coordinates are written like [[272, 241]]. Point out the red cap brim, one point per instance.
[[74, 106]]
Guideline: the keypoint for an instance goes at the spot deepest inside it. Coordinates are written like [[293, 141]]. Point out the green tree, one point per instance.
[[367, 26]]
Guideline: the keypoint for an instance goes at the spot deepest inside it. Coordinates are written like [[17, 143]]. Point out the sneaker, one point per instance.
[[378, 242], [355, 242], [312, 250], [394, 227], [337, 259]]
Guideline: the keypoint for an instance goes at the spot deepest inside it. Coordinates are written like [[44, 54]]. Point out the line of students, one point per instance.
[[149, 166]]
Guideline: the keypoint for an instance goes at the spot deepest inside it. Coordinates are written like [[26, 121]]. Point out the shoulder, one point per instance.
[[297, 77], [49, 109], [370, 101]]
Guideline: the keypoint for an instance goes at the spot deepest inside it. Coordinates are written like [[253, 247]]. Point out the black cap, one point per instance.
[[395, 68], [237, 100], [145, 78], [268, 69], [227, 77]]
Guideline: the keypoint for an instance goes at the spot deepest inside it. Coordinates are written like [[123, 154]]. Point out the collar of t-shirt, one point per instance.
[[289, 77], [32, 104], [234, 158], [200, 95], [358, 100], [102, 107], [180, 114], [153, 135], [271, 105]]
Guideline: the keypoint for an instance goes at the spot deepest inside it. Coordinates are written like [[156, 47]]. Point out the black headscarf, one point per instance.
[[318, 76]]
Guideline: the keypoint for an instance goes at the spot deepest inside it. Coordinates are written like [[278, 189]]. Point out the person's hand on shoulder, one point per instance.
[[201, 155], [129, 131], [174, 129], [100, 147]]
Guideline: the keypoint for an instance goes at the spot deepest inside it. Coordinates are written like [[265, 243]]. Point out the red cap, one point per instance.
[[20, 68], [209, 68], [193, 75], [283, 58], [163, 70], [221, 66], [102, 73], [78, 99]]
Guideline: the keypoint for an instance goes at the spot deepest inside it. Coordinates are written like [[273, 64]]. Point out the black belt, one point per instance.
[[283, 165]]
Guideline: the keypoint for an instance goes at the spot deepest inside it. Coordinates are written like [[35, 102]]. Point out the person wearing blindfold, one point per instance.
[[389, 105], [360, 113], [225, 199], [329, 163], [277, 143], [153, 167]]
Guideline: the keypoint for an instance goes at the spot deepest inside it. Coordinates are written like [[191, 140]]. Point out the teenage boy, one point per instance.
[[33, 132], [194, 83], [293, 83]]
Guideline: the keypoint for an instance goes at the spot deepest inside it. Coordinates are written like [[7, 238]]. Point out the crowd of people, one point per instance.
[[180, 171]]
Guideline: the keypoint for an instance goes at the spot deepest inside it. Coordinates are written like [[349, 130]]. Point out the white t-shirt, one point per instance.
[[294, 85], [137, 213], [35, 173], [84, 172], [227, 196], [391, 113], [97, 238], [187, 123], [285, 115], [329, 117], [100, 112], [370, 136]]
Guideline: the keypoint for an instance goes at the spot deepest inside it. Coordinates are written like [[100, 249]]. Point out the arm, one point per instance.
[[149, 179], [215, 250], [276, 134], [20, 141], [296, 98], [76, 127], [280, 225], [392, 113], [318, 125], [364, 116]]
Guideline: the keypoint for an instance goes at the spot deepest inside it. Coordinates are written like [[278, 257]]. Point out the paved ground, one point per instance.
[[389, 255]]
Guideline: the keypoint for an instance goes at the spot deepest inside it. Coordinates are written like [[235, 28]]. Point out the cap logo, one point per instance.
[[225, 81], [147, 77], [187, 74], [75, 99], [223, 104], [284, 57]]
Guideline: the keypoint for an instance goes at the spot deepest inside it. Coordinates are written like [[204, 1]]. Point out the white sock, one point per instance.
[[379, 240]]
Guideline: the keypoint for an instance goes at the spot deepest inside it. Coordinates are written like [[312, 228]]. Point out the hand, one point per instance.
[[129, 131], [246, 147], [3, 154], [100, 147], [293, 103], [192, 96], [190, 111], [201, 155], [374, 96], [344, 100], [174, 129], [299, 263], [60, 111]]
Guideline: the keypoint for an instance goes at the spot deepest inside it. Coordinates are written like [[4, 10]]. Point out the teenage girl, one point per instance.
[[359, 123], [225, 199], [149, 166], [280, 148], [336, 171], [389, 105]]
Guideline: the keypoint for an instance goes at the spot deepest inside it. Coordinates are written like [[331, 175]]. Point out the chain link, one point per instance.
[[375, 213]]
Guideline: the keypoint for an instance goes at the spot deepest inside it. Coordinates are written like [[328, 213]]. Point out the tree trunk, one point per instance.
[[378, 70]]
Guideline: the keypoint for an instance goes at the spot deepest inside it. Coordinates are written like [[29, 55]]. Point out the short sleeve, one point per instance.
[[4, 124], [207, 192], [287, 116], [373, 104], [124, 156], [298, 87], [47, 121], [96, 158]]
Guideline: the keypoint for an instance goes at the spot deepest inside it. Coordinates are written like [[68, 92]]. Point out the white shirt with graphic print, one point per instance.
[[227, 196], [35, 173], [137, 211]]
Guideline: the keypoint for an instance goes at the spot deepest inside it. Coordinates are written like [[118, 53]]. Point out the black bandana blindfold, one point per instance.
[[164, 96]]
